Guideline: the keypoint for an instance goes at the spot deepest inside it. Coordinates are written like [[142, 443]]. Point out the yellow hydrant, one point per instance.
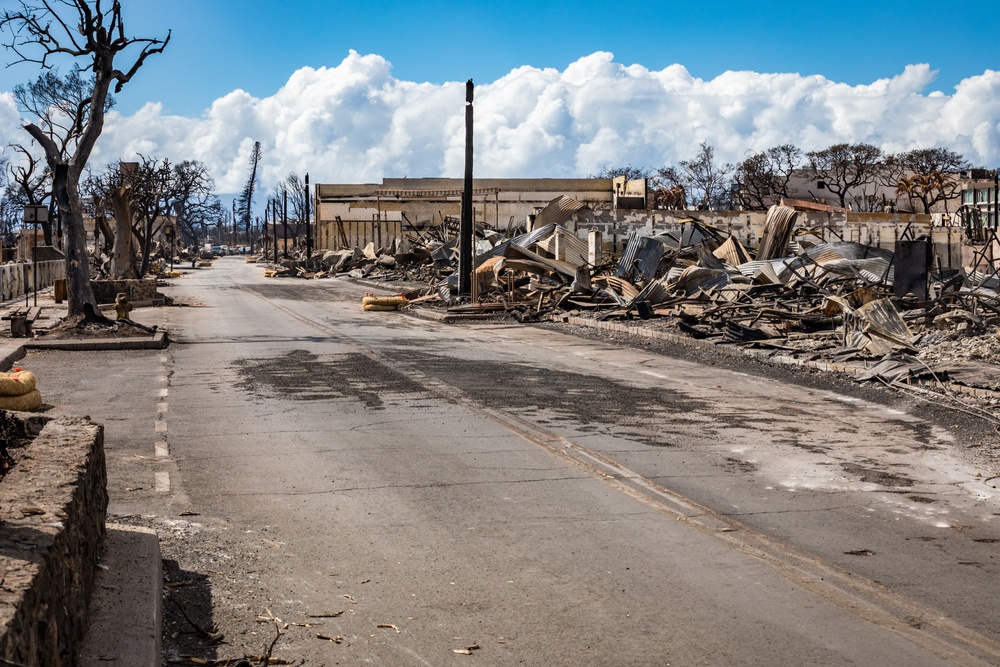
[[122, 306]]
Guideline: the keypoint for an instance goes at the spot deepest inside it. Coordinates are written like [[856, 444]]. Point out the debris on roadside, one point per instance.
[[898, 312]]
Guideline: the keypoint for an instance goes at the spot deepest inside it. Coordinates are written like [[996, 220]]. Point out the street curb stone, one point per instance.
[[126, 609]]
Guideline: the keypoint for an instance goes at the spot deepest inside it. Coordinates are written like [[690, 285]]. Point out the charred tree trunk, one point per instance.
[[79, 291], [122, 252]]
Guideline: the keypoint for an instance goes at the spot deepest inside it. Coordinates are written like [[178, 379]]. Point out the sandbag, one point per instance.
[[17, 383], [23, 403], [370, 307], [394, 301]]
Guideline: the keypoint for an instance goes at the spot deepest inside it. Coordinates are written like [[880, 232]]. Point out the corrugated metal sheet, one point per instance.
[[641, 258], [733, 252], [876, 270], [558, 211], [826, 252], [620, 290], [689, 235], [875, 327], [655, 293], [579, 276], [979, 279], [695, 278], [522, 241], [574, 249], [751, 269]]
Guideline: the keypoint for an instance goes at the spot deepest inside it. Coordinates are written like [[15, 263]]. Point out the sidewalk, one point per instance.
[[125, 608]]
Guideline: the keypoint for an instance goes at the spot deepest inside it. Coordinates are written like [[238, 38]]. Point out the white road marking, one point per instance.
[[164, 379], [656, 375], [162, 482], [161, 426], [161, 407], [162, 450], [164, 392], [164, 360]]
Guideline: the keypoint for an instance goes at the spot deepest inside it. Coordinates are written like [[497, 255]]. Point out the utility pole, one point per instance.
[[996, 198], [284, 220], [465, 229], [274, 227]]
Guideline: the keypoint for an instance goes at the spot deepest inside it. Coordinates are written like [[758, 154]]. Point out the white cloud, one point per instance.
[[10, 124], [356, 123]]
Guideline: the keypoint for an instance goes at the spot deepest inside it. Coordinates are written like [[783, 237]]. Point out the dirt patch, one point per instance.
[[85, 330]]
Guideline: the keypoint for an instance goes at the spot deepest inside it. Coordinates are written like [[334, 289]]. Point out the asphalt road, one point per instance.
[[395, 490]]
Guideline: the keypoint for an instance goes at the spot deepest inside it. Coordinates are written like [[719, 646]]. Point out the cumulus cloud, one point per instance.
[[355, 122], [10, 124]]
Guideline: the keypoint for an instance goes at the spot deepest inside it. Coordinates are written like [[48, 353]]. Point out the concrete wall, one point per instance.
[[375, 213], [875, 229], [16, 279], [427, 201]]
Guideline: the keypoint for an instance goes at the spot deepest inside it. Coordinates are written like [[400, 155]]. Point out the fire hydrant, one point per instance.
[[122, 306]]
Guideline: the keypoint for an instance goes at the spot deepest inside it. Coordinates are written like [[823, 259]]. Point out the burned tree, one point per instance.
[[930, 175], [41, 32], [199, 205], [295, 189], [707, 181], [668, 189], [141, 197], [10, 209], [244, 203], [29, 184], [847, 170], [762, 179]]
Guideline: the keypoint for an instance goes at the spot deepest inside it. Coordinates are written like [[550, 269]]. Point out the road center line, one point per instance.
[[161, 483]]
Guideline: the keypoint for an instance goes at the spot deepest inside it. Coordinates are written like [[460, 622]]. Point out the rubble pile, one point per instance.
[[794, 293]]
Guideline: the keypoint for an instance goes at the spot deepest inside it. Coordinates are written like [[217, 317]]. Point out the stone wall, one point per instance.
[[52, 511], [136, 290]]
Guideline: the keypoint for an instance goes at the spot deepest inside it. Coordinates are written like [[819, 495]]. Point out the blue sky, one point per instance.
[[219, 45], [540, 82]]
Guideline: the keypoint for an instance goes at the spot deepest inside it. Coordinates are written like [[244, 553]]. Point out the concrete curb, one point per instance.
[[13, 352], [157, 341], [10, 353], [126, 609]]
